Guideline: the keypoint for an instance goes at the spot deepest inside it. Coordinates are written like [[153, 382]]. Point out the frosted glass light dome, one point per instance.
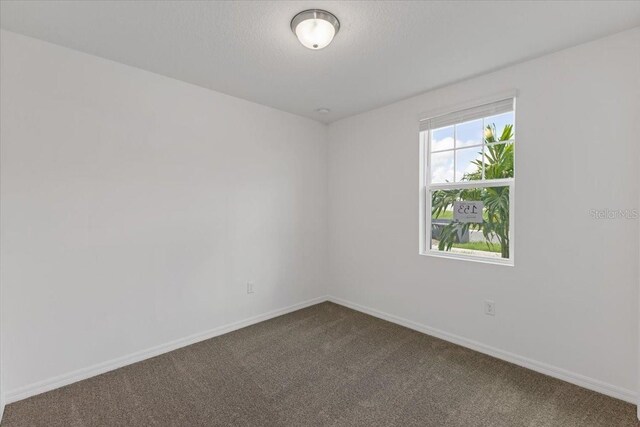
[[315, 28]]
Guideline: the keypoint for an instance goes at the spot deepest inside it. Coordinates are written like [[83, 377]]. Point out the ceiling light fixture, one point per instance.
[[315, 28]]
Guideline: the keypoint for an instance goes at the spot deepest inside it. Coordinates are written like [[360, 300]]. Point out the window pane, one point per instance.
[[442, 167], [496, 131], [442, 139], [469, 133], [466, 166], [498, 160], [488, 239]]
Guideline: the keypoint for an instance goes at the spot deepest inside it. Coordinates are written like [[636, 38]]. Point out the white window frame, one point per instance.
[[426, 187]]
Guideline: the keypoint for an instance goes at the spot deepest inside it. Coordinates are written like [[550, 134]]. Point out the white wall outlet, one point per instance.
[[489, 308], [250, 288]]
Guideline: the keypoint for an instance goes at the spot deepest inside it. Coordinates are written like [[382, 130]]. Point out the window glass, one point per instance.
[[469, 133], [468, 174], [488, 238], [497, 124], [442, 139], [468, 163], [442, 167], [498, 160]]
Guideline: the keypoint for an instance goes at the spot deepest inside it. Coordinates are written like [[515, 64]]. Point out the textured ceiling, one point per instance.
[[385, 51]]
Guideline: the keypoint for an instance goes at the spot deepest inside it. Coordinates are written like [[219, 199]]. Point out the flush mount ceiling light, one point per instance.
[[315, 28]]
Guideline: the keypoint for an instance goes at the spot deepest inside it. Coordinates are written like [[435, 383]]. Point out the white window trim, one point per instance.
[[426, 187]]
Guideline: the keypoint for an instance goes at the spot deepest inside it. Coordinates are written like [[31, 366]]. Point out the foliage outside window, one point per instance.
[[468, 156]]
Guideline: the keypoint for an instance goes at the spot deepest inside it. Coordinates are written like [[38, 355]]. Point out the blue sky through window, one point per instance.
[[467, 134]]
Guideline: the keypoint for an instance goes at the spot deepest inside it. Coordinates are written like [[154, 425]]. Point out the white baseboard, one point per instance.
[[100, 368], [552, 371]]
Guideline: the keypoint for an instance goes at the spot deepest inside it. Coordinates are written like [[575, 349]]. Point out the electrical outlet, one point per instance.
[[250, 288], [489, 308]]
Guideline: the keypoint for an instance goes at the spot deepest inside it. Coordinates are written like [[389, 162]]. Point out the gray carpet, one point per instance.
[[322, 366]]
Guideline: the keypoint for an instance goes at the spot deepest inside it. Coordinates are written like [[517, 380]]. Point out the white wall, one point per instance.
[[136, 207], [570, 304], [2, 403]]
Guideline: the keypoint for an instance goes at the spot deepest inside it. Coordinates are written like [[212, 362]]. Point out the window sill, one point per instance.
[[484, 260]]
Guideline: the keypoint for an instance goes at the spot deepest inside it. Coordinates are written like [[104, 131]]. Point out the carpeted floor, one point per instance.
[[325, 365]]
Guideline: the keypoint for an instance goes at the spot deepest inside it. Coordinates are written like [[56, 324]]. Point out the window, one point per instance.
[[467, 183]]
